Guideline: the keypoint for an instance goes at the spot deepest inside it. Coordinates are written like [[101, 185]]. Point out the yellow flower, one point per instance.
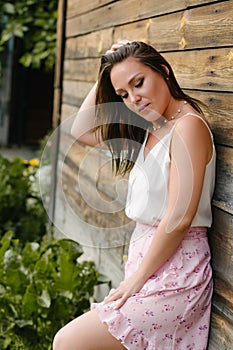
[[34, 162], [25, 161]]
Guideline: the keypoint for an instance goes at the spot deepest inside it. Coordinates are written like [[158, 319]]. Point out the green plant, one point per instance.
[[34, 22], [43, 286], [21, 208]]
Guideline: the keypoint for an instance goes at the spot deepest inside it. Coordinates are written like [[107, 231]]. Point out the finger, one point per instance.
[[121, 302], [117, 45], [113, 297], [124, 42], [111, 292], [108, 52]]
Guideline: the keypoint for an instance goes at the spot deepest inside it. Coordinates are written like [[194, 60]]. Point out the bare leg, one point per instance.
[[86, 332]]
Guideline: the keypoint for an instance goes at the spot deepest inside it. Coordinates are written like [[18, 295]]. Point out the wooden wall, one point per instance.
[[196, 37]]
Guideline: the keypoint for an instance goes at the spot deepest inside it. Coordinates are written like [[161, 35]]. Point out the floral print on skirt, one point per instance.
[[172, 310]]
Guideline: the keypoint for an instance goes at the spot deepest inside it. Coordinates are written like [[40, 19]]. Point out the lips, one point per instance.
[[143, 108]]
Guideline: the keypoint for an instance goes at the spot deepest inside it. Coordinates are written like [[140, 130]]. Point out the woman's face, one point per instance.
[[143, 90]]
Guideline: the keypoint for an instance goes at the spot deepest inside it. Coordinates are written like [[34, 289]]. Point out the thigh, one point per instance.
[[86, 332]]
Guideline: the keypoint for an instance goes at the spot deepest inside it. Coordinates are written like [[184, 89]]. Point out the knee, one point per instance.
[[65, 339], [59, 341]]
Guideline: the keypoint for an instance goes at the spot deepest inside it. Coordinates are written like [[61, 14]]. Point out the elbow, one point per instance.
[[73, 132], [179, 225]]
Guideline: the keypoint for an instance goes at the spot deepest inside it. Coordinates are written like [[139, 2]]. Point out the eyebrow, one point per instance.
[[130, 81]]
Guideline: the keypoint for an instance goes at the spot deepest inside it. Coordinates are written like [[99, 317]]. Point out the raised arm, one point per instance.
[[84, 123]]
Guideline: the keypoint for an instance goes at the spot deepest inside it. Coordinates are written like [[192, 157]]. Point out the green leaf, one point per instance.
[[44, 299], [23, 323], [26, 59], [29, 301], [18, 32], [43, 285], [9, 8], [73, 248], [5, 36], [2, 289]]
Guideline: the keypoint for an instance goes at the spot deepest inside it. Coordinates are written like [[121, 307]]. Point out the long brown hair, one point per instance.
[[123, 130]]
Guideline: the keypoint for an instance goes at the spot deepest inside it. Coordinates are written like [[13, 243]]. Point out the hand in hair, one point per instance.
[[116, 46]]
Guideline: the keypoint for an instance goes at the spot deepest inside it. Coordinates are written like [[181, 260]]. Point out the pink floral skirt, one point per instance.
[[172, 310]]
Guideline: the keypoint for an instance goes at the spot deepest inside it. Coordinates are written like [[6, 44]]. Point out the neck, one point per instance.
[[159, 125]]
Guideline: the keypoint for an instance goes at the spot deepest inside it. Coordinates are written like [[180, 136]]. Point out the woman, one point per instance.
[[160, 135]]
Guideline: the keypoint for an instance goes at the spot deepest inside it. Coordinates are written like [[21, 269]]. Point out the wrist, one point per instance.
[[142, 274]]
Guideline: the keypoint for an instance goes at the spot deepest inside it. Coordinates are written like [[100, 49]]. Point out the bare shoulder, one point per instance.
[[195, 135], [193, 126]]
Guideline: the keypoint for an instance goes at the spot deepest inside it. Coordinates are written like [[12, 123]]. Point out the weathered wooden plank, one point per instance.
[[221, 335], [221, 240], [95, 165], [221, 105], [74, 91], [100, 212], [136, 31], [221, 231], [188, 29], [209, 26], [210, 69], [78, 7], [224, 177], [200, 2], [84, 70], [67, 111], [79, 222], [120, 12], [221, 117], [89, 45], [223, 297], [166, 32]]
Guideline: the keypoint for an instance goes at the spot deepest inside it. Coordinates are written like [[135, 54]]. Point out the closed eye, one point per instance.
[[124, 96], [139, 84]]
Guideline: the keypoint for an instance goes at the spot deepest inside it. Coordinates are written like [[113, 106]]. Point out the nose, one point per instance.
[[135, 98]]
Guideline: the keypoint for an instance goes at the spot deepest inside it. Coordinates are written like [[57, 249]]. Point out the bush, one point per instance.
[[21, 208], [43, 286], [35, 23]]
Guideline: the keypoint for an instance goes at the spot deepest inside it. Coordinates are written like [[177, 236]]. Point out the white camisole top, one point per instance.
[[147, 197]]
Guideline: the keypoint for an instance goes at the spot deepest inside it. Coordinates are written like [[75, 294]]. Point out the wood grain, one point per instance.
[[221, 242], [118, 13], [208, 26], [83, 69], [89, 45], [221, 335], [220, 116], [224, 177], [79, 7], [74, 91], [209, 69]]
